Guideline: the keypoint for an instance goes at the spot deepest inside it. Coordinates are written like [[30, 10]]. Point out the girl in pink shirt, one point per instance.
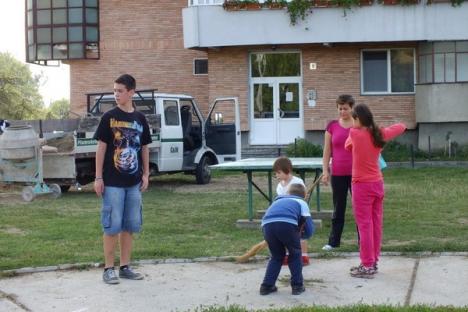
[[340, 174], [366, 141]]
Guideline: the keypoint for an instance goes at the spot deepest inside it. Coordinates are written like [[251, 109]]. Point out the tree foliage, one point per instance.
[[19, 90], [59, 109]]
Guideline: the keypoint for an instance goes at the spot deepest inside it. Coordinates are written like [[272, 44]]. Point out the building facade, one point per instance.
[[408, 63]]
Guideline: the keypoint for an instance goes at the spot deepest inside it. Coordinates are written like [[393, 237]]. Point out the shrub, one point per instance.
[[302, 148]]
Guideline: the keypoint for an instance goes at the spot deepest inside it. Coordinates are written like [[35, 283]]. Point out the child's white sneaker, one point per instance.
[[328, 248]]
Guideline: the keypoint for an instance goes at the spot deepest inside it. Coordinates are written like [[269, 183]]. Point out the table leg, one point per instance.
[[317, 174], [249, 195], [270, 187]]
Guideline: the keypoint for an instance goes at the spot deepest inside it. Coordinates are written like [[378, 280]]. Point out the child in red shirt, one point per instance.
[[366, 141]]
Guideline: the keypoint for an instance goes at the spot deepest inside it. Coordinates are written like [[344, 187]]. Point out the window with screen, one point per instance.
[[200, 67]]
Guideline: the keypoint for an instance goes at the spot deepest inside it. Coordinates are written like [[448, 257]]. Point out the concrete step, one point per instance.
[[263, 151]]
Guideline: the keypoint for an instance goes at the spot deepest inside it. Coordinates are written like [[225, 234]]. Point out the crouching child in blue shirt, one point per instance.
[[286, 221]]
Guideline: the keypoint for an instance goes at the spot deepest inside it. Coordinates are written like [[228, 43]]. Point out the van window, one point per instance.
[[171, 113]]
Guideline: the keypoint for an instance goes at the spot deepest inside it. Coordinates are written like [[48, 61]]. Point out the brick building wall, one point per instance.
[[338, 72], [143, 38]]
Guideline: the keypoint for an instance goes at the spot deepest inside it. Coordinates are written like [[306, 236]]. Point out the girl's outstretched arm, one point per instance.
[[393, 131]]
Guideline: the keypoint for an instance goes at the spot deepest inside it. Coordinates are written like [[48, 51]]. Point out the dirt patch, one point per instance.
[[10, 194], [14, 231], [234, 183], [218, 184]]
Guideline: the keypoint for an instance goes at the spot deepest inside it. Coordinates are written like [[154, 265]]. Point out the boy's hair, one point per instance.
[[282, 164], [345, 99], [127, 80], [297, 189]]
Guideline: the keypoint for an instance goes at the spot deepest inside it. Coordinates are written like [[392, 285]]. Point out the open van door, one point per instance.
[[222, 129]]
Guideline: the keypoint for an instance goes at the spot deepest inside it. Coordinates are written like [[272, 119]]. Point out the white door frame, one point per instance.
[[276, 130]]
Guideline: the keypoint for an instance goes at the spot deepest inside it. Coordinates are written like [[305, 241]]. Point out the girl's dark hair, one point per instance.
[[364, 114]]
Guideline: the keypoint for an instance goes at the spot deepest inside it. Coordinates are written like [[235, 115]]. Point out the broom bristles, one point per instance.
[[252, 251]]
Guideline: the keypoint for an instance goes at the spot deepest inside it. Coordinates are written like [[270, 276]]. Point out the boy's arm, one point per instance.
[[305, 223], [308, 228], [98, 182], [145, 159]]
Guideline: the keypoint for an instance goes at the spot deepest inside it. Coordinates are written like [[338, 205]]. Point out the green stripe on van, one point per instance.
[[86, 142], [172, 140]]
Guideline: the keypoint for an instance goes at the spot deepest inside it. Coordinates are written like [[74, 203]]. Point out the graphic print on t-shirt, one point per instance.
[[126, 139]]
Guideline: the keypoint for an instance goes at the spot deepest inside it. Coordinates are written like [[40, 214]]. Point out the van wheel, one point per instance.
[[65, 188], [203, 171]]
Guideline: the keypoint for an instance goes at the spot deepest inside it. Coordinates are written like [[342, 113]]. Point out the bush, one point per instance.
[[302, 148]]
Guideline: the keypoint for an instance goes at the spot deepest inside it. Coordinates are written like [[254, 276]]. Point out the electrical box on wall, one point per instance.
[[311, 97], [312, 66]]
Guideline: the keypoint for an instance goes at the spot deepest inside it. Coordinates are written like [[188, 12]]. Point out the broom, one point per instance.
[[263, 244]]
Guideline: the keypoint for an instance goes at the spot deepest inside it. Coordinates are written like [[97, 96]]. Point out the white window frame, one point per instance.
[[199, 59], [389, 72]]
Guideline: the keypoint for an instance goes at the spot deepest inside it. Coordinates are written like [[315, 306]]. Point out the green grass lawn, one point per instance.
[[425, 210]]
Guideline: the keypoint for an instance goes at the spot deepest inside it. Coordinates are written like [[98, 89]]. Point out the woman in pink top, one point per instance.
[[366, 141], [336, 134]]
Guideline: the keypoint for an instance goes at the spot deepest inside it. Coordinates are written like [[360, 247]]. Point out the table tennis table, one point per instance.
[[251, 165]]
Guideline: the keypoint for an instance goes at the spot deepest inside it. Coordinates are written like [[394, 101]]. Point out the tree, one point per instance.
[[59, 109], [19, 90]]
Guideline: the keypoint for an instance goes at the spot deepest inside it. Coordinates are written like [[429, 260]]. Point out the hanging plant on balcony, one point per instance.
[[298, 9]]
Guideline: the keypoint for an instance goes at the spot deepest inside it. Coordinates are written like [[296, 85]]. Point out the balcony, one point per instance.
[[441, 102], [207, 24]]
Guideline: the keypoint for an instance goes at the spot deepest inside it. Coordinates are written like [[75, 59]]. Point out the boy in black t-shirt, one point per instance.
[[122, 173]]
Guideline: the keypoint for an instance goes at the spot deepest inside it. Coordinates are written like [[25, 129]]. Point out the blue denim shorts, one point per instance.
[[121, 210]]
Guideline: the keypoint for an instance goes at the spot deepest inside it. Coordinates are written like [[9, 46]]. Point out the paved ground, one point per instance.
[[434, 280]]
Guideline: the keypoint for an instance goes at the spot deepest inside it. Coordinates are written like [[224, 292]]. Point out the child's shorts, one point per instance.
[[121, 209]]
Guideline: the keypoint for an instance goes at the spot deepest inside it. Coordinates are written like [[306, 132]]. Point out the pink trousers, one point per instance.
[[368, 211]]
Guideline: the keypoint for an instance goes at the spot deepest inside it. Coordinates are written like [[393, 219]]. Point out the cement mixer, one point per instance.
[[21, 162]]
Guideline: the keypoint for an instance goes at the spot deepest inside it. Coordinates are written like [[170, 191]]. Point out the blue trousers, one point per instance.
[[281, 236]]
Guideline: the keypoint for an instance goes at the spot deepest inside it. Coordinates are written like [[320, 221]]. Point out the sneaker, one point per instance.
[[297, 290], [266, 289], [305, 260], [363, 272], [128, 273], [328, 247], [375, 267], [285, 260], [109, 277]]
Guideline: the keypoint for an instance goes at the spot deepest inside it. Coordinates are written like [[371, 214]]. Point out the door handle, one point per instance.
[[281, 113]]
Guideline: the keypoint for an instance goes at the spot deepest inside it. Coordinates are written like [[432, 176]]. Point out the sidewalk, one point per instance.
[[432, 280]]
